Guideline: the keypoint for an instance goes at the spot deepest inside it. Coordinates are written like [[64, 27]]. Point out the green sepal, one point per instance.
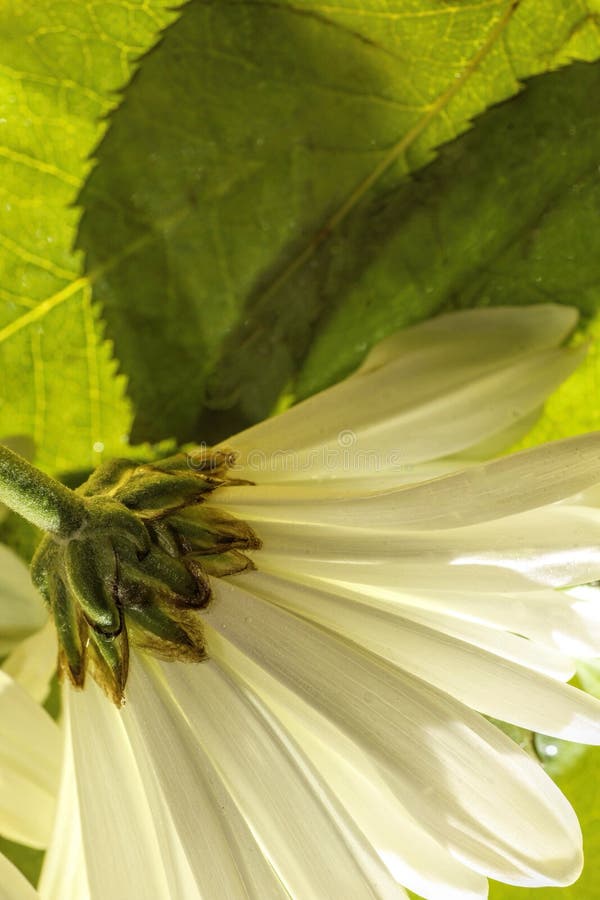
[[91, 572], [212, 530], [198, 459], [137, 569], [156, 492], [107, 477], [109, 662], [155, 630], [140, 588], [45, 565], [220, 565], [170, 572], [164, 537], [111, 517], [71, 630]]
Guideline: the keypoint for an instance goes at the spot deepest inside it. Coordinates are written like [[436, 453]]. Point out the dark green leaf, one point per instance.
[[508, 214]]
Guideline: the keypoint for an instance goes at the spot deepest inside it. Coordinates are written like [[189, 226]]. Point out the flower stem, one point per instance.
[[37, 497]]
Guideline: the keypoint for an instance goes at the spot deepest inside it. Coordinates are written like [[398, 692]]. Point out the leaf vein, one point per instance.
[[415, 14], [29, 257], [50, 81], [39, 165]]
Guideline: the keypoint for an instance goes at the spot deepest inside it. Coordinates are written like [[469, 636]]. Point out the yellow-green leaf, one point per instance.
[[60, 66]]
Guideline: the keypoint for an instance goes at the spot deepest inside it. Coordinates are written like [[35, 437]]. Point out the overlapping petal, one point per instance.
[[21, 609], [30, 742], [486, 369], [479, 493], [223, 806], [30, 751], [32, 663], [510, 689], [472, 788]]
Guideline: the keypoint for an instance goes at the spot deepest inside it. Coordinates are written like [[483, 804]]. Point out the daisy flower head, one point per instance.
[[360, 582]]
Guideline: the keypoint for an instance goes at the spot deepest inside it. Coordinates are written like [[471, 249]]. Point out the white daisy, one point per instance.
[[360, 617]]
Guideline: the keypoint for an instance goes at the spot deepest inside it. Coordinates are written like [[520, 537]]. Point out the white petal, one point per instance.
[[21, 607], [64, 874], [488, 682], [13, 884], [590, 496], [498, 443], [413, 857], [556, 620], [30, 751], [32, 663], [220, 852], [285, 803], [335, 483], [123, 855], [554, 547], [422, 608], [567, 621], [469, 784], [477, 494], [468, 380], [474, 334], [188, 842], [356, 485]]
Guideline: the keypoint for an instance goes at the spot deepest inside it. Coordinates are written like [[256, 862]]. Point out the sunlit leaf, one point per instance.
[[60, 65]]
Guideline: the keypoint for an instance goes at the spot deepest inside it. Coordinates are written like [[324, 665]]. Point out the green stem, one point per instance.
[[37, 497]]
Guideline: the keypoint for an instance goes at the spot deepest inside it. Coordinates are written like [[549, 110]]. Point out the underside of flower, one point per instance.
[[137, 568], [412, 583]]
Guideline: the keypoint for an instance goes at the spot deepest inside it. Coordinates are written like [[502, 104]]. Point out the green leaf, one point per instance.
[[60, 66], [251, 133], [507, 215]]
